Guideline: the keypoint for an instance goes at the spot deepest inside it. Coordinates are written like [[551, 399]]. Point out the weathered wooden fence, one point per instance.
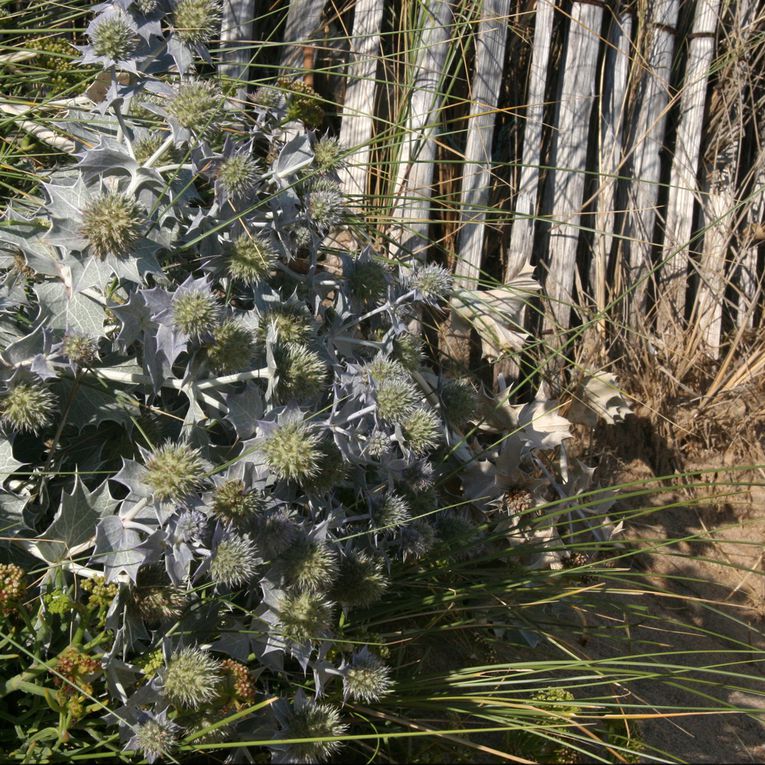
[[616, 147]]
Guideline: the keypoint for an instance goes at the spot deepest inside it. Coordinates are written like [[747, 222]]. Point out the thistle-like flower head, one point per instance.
[[113, 37], [197, 106], [154, 736], [304, 616], [174, 471], [368, 281], [311, 566], [422, 430], [325, 204], [111, 223], [302, 374], [290, 322], [361, 580], [232, 347], [158, 602], [292, 450], [366, 677], [191, 678], [237, 175], [80, 350], [27, 406], [310, 720], [147, 6], [431, 283], [408, 350], [396, 397], [378, 444], [459, 400], [235, 560], [233, 502], [393, 512], [251, 258], [326, 154], [196, 22], [195, 310]]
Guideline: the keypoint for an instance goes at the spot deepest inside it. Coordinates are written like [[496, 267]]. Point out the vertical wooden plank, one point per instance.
[[491, 43], [613, 102], [236, 40], [522, 234], [358, 107], [569, 156], [750, 279], [302, 27], [647, 142], [414, 177], [683, 186]]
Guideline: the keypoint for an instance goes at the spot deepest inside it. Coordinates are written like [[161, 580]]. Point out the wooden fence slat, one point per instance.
[[569, 156], [303, 21], [522, 233], [610, 157], [358, 107], [491, 42], [647, 140], [750, 279], [414, 177], [236, 39], [683, 185]]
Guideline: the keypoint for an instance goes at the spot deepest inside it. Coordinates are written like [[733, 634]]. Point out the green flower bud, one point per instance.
[[235, 561], [304, 616], [113, 36], [27, 407], [366, 678], [252, 258], [145, 147], [361, 580], [80, 349], [111, 222], [155, 738], [312, 720], [232, 348], [195, 313], [431, 281], [325, 204], [158, 603], [396, 398], [458, 398], [198, 106], [292, 451], [368, 281], [393, 512], [408, 350], [174, 471], [192, 678], [326, 154], [311, 566], [302, 374], [291, 324], [422, 430], [237, 175], [197, 21], [233, 502]]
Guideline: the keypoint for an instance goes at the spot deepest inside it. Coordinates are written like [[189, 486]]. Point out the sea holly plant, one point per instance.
[[219, 444]]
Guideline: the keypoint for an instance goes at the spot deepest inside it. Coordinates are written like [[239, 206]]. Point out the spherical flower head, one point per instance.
[[233, 502], [79, 349], [378, 444], [237, 175], [302, 374], [311, 566], [396, 398], [113, 36], [312, 720], [416, 540], [458, 535], [235, 561], [366, 678], [290, 324], [232, 347], [111, 222], [277, 532], [174, 471], [381, 370], [393, 512], [368, 281], [303, 237], [158, 603], [27, 407], [361, 580], [197, 106], [195, 312], [12, 587], [252, 258], [192, 678], [144, 147], [459, 400], [146, 6], [292, 451], [422, 430], [304, 616], [196, 22], [332, 469], [325, 204], [326, 154], [154, 737], [408, 350], [431, 283]]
